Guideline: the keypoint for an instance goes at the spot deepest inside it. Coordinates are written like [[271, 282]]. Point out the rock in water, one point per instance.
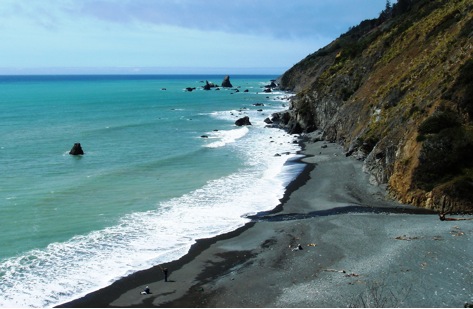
[[226, 82], [207, 85], [76, 150], [245, 121]]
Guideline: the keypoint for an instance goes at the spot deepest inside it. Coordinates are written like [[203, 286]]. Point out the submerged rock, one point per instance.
[[76, 150]]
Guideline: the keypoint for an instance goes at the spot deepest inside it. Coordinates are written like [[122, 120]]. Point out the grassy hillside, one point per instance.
[[397, 91]]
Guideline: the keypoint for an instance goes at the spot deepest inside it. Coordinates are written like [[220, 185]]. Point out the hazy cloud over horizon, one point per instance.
[[167, 33]]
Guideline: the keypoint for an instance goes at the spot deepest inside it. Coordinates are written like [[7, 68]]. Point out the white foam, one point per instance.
[[64, 271], [225, 137]]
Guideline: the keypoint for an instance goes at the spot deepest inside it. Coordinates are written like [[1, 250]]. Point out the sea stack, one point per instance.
[[226, 82], [245, 121], [76, 150]]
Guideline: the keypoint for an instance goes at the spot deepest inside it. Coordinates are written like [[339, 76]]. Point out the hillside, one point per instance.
[[397, 92]]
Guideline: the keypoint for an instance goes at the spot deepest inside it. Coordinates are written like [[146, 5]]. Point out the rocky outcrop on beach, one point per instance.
[[226, 82], [76, 150], [396, 92]]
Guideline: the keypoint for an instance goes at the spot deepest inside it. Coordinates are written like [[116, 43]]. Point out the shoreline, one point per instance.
[[138, 280], [348, 254]]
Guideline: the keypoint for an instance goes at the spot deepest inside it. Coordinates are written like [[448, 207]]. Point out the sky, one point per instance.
[[170, 36]]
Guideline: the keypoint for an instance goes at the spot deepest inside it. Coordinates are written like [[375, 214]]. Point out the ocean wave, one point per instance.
[[65, 270], [225, 137]]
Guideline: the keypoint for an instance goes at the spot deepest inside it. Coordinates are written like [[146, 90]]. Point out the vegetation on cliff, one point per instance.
[[397, 92]]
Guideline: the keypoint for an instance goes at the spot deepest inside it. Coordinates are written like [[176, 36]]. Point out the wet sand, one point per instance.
[[359, 250]]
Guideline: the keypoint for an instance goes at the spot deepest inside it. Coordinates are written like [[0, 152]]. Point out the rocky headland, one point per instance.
[[392, 97], [397, 93]]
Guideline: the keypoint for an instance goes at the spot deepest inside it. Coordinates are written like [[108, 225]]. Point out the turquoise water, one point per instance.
[[148, 185]]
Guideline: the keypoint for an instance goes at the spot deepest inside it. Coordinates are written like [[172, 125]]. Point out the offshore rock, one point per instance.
[[226, 82], [207, 85], [245, 121], [76, 150], [272, 85]]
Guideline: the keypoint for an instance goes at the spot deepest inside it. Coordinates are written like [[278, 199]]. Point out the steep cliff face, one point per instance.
[[397, 92]]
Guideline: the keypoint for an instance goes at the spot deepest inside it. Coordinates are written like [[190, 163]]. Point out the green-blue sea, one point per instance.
[[162, 167]]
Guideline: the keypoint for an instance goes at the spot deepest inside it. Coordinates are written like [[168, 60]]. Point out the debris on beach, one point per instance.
[[342, 272], [404, 237], [336, 270], [456, 231], [299, 247]]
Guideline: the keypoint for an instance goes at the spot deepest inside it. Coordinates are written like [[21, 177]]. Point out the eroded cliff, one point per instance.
[[397, 92]]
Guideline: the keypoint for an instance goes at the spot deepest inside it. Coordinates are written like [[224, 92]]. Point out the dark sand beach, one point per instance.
[[358, 249]]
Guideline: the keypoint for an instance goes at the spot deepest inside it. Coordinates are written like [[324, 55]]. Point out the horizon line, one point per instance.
[[141, 70]]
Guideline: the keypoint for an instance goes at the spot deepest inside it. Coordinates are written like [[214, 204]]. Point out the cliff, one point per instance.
[[397, 92]]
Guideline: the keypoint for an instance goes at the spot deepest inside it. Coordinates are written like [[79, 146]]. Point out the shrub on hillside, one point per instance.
[[439, 121], [443, 156]]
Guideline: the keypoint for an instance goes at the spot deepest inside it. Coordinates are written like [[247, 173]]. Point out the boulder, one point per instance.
[[226, 82], [245, 121], [76, 150]]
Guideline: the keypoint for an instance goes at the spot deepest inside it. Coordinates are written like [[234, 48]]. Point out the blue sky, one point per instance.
[[170, 36]]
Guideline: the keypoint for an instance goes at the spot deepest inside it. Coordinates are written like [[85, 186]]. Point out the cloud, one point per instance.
[[172, 33], [276, 18]]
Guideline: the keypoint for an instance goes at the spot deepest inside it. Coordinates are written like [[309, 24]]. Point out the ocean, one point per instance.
[[162, 168]]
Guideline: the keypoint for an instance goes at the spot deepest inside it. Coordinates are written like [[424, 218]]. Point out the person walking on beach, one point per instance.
[[165, 272]]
